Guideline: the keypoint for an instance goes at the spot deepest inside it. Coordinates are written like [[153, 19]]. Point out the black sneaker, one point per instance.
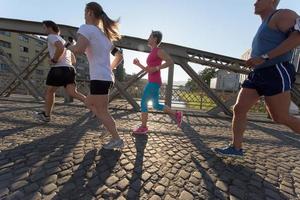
[[42, 116]]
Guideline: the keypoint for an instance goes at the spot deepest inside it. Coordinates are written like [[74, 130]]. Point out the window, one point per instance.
[[24, 49], [5, 44], [23, 38], [5, 33], [4, 67], [24, 59], [9, 55], [39, 71], [40, 43]]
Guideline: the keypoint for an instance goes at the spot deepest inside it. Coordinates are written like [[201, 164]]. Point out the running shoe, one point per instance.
[[141, 130], [229, 151], [114, 144], [42, 116]]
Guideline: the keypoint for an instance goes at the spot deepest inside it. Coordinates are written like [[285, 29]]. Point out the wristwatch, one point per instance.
[[265, 56]]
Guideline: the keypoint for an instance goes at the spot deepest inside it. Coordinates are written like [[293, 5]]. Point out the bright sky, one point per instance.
[[223, 27]]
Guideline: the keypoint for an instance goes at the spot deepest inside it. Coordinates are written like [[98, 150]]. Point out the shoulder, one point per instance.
[[285, 14], [284, 19], [160, 50], [85, 30], [53, 38], [84, 27]]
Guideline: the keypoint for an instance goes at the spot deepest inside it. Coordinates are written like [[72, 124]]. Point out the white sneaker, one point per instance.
[[114, 144]]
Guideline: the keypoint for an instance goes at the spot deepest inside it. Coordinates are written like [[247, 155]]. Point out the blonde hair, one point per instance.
[[109, 26]]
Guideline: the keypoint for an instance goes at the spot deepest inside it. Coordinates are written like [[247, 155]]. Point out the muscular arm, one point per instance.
[[283, 22], [59, 50]]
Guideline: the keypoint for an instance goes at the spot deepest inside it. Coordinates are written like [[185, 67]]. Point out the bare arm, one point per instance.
[[117, 60], [284, 21], [137, 63], [165, 57], [80, 46], [73, 59], [59, 50]]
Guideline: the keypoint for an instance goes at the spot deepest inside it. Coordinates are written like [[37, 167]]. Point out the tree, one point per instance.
[[206, 74]]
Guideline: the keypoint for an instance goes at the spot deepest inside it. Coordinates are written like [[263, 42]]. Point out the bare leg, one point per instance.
[[278, 106], [246, 99], [144, 116], [49, 99], [169, 111], [99, 105], [72, 91]]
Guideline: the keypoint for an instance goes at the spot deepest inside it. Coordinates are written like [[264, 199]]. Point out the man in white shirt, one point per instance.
[[62, 73]]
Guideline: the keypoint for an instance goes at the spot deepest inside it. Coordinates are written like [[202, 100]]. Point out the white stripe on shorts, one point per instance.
[[290, 82], [282, 79]]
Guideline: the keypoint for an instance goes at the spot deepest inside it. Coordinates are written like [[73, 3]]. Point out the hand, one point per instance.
[[136, 62], [252, 62], [52, 61]]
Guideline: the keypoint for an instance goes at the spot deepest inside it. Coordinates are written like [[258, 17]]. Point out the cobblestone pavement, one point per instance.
[[64, 159]]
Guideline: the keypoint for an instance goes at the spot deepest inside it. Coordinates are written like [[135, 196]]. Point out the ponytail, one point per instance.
[[109, 27]]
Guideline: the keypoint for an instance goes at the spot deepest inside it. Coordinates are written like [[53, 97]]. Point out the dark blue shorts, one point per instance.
[[271, 80]]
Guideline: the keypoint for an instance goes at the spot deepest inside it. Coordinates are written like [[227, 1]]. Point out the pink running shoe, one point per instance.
[[141, 130], [179, 116]]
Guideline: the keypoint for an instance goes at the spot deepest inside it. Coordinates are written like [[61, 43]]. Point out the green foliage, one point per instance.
[[206, 74]]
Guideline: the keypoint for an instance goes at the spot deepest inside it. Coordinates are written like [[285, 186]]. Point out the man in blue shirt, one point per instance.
[[272, 74]]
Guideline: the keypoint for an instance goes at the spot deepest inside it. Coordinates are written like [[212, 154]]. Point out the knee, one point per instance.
[[157, 106], [144, 106], [239, 109]]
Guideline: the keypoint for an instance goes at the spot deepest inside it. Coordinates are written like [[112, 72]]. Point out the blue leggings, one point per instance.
[[151, 92]]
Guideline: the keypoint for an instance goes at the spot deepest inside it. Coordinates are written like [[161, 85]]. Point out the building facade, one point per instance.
[[22, 48]]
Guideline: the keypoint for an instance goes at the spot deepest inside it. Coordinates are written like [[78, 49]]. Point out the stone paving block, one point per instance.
[[186, 196], [148, 186], [55, 159], [17, 195], [111, 180], [123, 184], [48, 189], [17, 185], [155, 197], [31, 188], [4, 192], [160, 190]]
